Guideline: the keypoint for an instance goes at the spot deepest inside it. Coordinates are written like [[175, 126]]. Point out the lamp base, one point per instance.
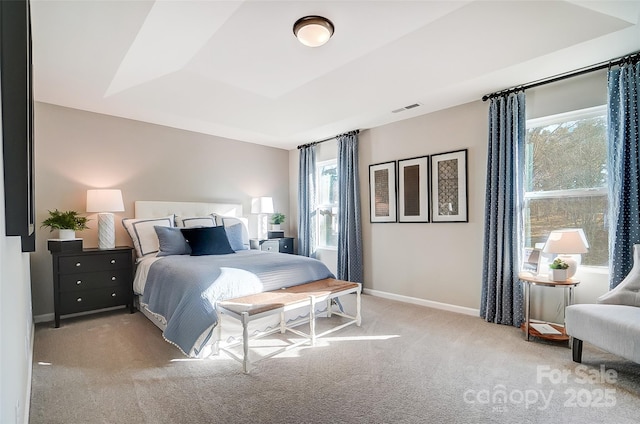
[[573, 261], [262, 226], [106, 231]]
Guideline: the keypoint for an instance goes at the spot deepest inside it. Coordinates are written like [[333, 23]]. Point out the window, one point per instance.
[[327, 204], [565, 181]]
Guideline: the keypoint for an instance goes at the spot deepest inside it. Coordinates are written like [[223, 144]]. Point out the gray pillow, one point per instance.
[[172, 242], [235, 236], [229, 221]]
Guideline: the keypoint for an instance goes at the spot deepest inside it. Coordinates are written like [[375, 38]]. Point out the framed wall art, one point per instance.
[[413, 189], [382, 192], [449, 187]]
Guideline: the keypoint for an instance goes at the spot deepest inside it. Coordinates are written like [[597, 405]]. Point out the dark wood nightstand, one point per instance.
[[92, 279], [281, 244]]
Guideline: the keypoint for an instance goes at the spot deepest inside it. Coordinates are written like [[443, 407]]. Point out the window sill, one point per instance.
[[329, 248], [596, 270]]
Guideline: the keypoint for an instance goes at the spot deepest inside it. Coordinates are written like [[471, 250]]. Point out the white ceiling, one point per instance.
[[235, 70]]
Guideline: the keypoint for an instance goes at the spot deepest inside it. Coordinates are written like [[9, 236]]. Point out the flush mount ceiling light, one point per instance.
[[313, 31]]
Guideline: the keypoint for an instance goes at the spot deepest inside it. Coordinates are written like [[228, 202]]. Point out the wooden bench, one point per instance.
[[259, 305]]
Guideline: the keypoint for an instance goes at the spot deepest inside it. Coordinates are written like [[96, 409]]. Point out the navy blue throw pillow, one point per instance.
[[207, 241]]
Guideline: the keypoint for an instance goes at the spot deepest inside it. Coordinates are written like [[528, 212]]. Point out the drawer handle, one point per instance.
[[78, 264], [78, 282], [286, 247], [79, 300], [113, 261], [113, 295], [113, 278]]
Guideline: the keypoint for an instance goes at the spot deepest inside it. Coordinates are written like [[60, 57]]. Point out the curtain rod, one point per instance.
[[630, 58], [326, 139]]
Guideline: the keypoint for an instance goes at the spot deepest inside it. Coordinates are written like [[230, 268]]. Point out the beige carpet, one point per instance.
[[406, 364]]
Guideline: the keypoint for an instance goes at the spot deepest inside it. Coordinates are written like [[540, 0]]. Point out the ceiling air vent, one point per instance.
[[406, 108]]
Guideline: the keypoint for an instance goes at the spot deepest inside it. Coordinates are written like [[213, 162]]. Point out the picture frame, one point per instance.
[[413, 189], [531, 260], [449, 187], [382, 192]]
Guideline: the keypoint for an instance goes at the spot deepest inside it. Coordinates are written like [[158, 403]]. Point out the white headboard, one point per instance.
[[158, 209]]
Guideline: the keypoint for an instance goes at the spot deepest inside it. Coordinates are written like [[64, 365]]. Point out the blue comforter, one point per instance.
[[183, 289]]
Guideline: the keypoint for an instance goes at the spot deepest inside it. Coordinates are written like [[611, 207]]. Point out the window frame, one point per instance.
[[319, 206], [586, 113]]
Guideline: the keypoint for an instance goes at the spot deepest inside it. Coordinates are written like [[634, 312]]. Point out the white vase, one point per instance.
[[66, 234], [558, 275]]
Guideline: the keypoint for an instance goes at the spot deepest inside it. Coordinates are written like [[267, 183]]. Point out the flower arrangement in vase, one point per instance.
[[558, 270]]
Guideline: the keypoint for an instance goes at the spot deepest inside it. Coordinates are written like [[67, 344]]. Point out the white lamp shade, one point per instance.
[[262, 205], [104, 200], [567, 241]]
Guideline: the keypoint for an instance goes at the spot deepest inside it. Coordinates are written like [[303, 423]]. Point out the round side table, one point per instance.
[[542, 280]]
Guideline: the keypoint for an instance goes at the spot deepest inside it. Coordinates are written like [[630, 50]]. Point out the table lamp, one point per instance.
[[105, 202], [262, 206], [568, 244]]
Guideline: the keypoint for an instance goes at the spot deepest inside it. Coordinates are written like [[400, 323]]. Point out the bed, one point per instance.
[[178, 289]]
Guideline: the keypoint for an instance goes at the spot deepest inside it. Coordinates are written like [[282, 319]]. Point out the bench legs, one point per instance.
[[358, 305], [576, 349], [245, 317], [245, 342]]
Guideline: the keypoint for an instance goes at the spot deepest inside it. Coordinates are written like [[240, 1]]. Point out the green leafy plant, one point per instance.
[[67, 220], [277, 218], [558, 264]]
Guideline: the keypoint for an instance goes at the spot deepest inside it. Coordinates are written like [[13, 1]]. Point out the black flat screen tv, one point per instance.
[[17, 120]]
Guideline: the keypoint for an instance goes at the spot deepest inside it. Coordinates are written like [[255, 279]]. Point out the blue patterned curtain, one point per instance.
[[623, 166], [501, 291], [349, 228], [307, 201]]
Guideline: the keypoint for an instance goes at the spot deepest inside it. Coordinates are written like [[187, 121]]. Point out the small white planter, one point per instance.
[[275, 227], [66, 234], [558, 274]]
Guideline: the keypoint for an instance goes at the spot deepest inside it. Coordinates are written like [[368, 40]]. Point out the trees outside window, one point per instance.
[[565, 181]]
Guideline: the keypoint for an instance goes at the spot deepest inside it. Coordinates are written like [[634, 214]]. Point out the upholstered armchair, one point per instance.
[[613, 324]]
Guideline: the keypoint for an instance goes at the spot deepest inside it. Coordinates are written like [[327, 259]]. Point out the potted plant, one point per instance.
[[558, 270], [67, 223], [277, 219]]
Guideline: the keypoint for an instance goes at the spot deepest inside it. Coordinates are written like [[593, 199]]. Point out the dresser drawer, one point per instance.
[[270, 246], [86, 263], [286, 245], [282, 245], [88, 300], [95, 280]]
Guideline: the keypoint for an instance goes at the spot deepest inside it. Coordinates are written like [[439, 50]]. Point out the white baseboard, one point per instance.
[[27, 400], [423, 302], [43, 318]]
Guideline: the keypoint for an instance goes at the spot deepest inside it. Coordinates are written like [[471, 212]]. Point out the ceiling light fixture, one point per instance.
[[313, 31]]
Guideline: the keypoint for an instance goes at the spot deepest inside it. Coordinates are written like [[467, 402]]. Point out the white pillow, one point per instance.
[[143, 235], [195, 221]]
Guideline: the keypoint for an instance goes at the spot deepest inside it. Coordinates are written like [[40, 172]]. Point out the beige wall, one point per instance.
[[78, 150], [433, 262], [439, 262]]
